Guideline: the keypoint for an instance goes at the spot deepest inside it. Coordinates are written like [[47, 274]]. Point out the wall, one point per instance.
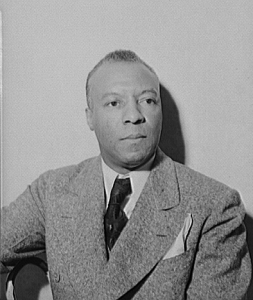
[[202, 51]]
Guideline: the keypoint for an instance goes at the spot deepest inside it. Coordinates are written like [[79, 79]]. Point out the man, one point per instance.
[[131, 223]]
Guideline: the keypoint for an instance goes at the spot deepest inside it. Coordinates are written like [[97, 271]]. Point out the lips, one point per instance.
[[134, 136]]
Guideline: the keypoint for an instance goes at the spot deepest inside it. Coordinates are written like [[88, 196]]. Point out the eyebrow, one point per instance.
[[152, 90], [110, 94]]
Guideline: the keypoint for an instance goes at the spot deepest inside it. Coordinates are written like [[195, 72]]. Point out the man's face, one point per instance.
[[125, 114]]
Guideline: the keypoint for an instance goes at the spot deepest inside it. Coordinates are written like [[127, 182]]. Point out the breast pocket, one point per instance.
[[178, 263]]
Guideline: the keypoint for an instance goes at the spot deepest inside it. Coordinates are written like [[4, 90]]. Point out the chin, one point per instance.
[[136, 160]]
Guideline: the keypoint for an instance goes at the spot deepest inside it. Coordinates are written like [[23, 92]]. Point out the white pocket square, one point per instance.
[[179, 245]]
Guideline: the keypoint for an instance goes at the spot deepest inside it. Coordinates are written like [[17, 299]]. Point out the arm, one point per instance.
[[222, 269], [22, 226]]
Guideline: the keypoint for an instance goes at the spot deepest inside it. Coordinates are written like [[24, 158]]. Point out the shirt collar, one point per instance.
[[138, 177]]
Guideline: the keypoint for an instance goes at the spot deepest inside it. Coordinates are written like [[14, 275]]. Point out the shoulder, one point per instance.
[[207, 194], [195, 181], [71, 171], [195, 185], [60, 178]]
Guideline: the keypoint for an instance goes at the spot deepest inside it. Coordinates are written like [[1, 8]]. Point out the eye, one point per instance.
[[113, 103], [148, 101]]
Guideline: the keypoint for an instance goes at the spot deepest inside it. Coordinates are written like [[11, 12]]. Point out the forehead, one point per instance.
[[120, 76]]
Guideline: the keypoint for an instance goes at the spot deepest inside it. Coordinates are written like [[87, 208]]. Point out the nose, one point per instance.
[[133, 114]]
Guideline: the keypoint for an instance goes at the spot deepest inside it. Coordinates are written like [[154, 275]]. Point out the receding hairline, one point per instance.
[[118, 56]]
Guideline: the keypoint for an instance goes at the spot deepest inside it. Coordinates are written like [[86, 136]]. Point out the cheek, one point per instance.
[[155, 123], [106, 132]]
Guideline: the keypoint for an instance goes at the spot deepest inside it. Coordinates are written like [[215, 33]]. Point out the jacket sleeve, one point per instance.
[[22, 226], [222, 268]]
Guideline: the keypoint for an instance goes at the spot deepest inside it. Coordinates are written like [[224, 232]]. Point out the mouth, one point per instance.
[[134, 136]]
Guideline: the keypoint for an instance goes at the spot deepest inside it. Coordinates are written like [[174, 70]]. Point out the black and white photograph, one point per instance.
[[126, 150]]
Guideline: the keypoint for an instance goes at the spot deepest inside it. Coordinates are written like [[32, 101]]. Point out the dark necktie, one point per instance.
[[115, 218]]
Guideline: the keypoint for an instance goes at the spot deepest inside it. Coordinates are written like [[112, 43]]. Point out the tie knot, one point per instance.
[[121, 189]]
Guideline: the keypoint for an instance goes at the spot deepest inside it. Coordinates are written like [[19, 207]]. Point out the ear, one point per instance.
[[89, 118]]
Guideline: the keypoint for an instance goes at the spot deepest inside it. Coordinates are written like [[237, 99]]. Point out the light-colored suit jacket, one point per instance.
[[185, 238]]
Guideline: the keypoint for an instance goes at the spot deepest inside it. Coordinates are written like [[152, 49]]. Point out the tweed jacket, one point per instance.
[[63, 210]]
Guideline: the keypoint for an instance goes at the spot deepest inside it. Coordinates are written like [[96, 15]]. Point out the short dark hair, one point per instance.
[[115, 56]]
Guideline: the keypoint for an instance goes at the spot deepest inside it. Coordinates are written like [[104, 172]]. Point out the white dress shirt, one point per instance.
[[138, 179]]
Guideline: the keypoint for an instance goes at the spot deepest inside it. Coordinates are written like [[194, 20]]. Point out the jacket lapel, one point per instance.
[[148, 234], [84, 251]]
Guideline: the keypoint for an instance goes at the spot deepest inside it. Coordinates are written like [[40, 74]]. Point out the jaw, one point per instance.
[[126, 161]]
